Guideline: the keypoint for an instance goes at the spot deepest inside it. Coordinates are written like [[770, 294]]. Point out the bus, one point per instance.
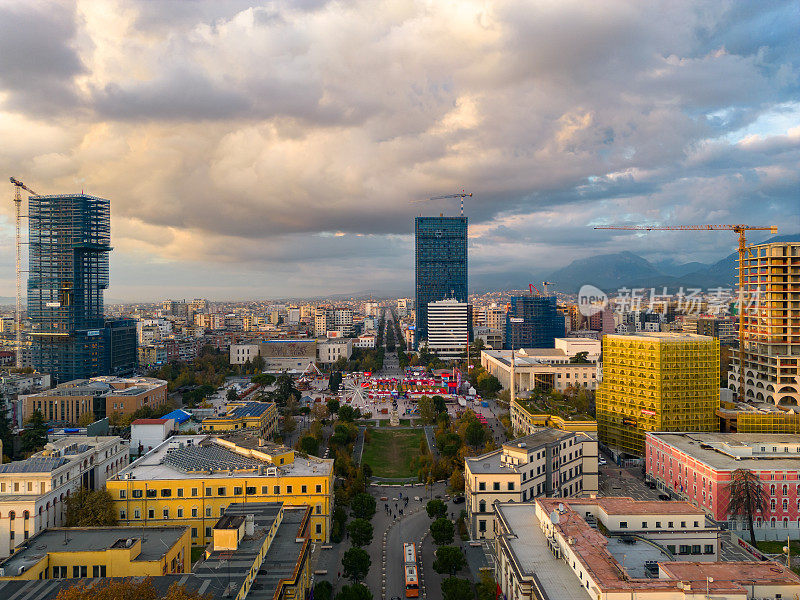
[[410, 568]]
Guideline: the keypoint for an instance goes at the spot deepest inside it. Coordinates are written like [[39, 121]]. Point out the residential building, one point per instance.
[[90, 552], [32, 491], [175, 308], [440, 265], [612, 548], [332, 349], [69, 242], [547, 368], [102, 396], [448, 328], [242, 353], [723, 328], [771, 326], [146, 434], [333, 319], [491, 338], [533, 322], [697, 467], [656, 382], [210, 321], [364, 341], [191, 480], [548, 462], [258, 417], [152, 355], [405, 307]]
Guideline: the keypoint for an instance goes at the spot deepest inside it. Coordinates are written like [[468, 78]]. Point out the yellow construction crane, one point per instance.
[[18, 186], [741, 230], [462, 195]]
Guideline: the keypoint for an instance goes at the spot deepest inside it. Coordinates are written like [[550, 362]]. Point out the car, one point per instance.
[[458, 500], [650, 484], [664, 497], [384, 498], [602, 461]]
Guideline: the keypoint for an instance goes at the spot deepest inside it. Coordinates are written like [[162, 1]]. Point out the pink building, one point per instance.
[[697, 467]]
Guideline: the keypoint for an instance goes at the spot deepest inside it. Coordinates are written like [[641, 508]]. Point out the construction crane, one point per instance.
[[18, 186], [742, 231], [462, 195], [532, 287], [545, 284]]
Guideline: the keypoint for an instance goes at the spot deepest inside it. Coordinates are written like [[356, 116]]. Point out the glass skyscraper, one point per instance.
[[440, 266], [69, 244], [533, 322]]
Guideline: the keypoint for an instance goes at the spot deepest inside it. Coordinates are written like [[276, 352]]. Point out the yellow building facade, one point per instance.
[[256, 416], [100, 552], [526, 422], [656, 382], [191, 480]]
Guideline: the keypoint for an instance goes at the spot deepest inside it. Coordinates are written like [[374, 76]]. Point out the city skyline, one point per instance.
[[230, 180]]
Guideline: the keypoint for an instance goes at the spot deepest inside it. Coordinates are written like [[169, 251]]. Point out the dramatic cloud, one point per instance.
[[274, 148]]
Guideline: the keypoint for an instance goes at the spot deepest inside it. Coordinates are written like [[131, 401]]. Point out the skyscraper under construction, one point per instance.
[[69, 244]]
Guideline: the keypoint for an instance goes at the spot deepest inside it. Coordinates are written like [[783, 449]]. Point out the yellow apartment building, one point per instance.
[[191, 480], [656, 382], [525, 421], [100, 552], [256, 416]]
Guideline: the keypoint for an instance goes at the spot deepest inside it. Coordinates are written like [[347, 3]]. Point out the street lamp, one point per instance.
[[708, 580]]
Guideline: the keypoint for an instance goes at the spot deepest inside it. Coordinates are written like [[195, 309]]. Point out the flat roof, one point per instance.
[[149, 421], [700, 446], [662, 336], [490, 462], [154, 465], [626, 506], [155, 543]]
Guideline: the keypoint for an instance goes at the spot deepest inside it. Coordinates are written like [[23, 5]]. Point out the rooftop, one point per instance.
[[491, 463], [203, 452], [155, 543], [731, 451], [149, 421], [534, 357], [662, 336]]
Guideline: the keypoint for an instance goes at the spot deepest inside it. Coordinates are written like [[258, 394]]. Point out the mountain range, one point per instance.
[[610, 272]]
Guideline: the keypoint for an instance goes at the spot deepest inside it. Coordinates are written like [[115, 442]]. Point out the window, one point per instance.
[[122, 514], [60, 572], [708, 549], [303, 489], [510, 486], [697, 523], [98, 571], [696, 549], [644, 524], [152, 493], [137, 513], [180, 513], [194, 512], [496, 486], [658, 524], [221, 491], [250, 490], [319, 489], [122, 494], [136, 493], [288, 489], [194, 532], [623, 524], [208, 531], [194, 491], [482, 525], [276, 490], [683, 524], [165, 513], [264, 490], [208, 511], [151, 513], [684, 549], [671, 548], [208, 491], [482, 486], [180, 492], [482, 506], [237, 491], [166, 492]]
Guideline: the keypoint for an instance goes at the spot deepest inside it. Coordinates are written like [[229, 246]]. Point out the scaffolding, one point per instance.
[[69, 243], [656, 382]]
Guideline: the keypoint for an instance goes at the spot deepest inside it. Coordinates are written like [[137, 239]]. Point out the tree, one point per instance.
[[323, 591], [309, 444], [454, 588], [456, 481], [442, 531], [580, 358], [366, 470], [355, 564], [90, 508], [746, 496], [334, 381], [436, 509], [6, 434], [357, 591], [259, 363], [35, 435], [126, 589], [262, 380], [363, 506], [285, 390], [360, 531], [449, 560], [333, 406], [475, 434], [438, 404], [86, 419], [289, 424], [232, 395], [449, 443], [347, 413], [487, 588], [427, 412]]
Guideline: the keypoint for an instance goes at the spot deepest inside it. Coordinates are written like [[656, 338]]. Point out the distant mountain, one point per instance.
[[606, 271], [679, 270]]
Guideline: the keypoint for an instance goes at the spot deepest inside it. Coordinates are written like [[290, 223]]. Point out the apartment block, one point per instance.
[[548, 462], [260, 418], [656, 382]]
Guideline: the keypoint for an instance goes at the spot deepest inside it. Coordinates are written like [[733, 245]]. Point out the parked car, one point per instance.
[[651, 484], [602, 461], [664, 497], [458, 500]]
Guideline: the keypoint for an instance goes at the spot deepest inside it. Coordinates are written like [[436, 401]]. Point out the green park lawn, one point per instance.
[[391, 452]]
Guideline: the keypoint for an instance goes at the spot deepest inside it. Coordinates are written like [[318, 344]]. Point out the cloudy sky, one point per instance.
[[270, 149]]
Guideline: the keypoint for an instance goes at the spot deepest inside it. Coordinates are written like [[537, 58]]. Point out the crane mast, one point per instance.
[[462, 195], [741, 230], [18, 186]]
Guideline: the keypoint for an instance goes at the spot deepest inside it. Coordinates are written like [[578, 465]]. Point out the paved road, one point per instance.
[[429, 433]]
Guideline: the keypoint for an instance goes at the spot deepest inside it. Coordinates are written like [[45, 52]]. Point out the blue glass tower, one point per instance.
[[69, 244], [440, 266], [541, 322]]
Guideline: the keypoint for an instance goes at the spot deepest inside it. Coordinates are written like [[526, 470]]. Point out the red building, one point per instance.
[[697, 467]]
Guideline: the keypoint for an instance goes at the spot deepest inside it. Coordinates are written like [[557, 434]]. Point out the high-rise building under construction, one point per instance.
[[69, 244], [771, 353], [656, 382]]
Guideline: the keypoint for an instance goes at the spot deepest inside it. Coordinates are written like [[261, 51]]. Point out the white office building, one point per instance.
[[448, 328]]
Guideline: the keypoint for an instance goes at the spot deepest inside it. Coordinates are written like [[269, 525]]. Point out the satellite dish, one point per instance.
[[554, 518]]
